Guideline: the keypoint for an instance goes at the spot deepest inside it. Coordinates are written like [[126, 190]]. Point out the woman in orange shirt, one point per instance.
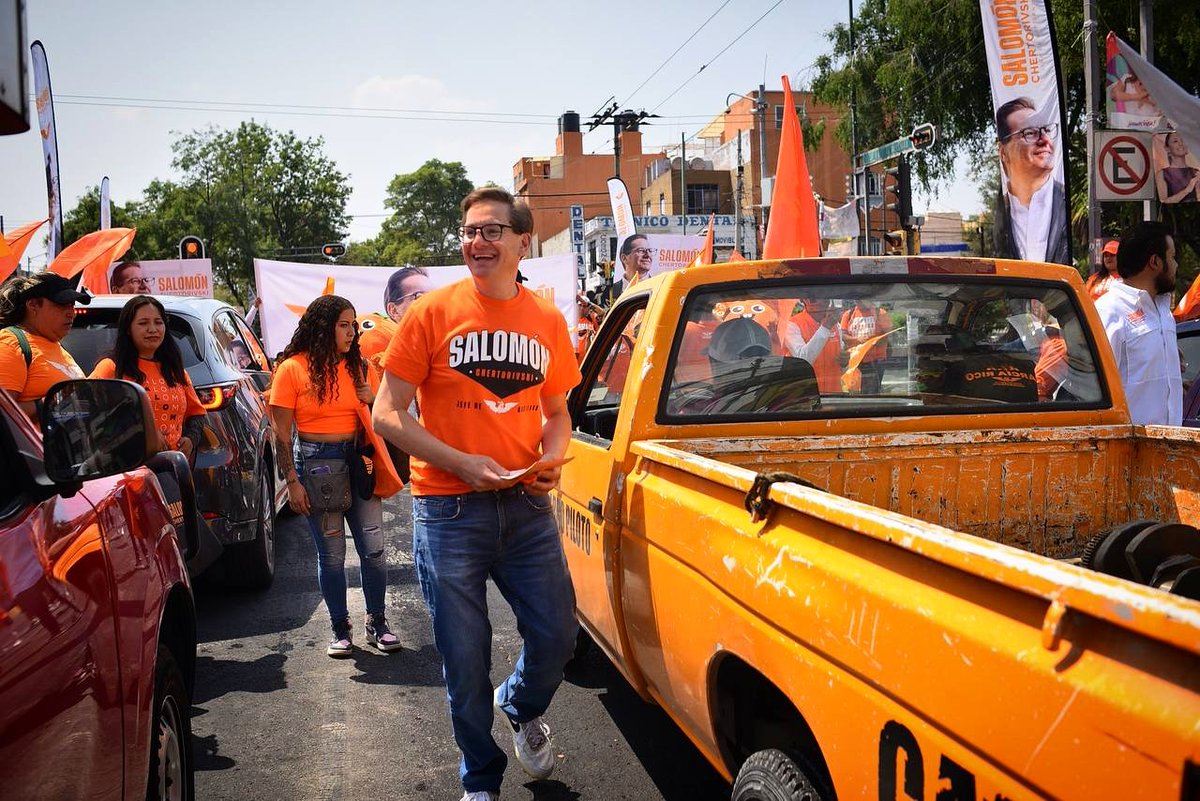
[[320, 382], [145, 353]]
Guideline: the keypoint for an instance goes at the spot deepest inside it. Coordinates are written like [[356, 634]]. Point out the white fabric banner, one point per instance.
[[839, 222], [286, 289], [622, 210]]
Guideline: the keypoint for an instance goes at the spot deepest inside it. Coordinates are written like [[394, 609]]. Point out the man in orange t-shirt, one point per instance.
[[490, 364]]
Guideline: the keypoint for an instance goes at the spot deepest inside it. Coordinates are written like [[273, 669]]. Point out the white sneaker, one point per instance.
[[480, 795], [531, 743]]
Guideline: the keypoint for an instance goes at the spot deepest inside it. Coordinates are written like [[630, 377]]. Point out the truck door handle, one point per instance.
[[596, 508]]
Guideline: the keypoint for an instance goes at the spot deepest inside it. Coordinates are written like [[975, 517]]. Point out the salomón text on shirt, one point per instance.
[[481, 368], [1141, 330]]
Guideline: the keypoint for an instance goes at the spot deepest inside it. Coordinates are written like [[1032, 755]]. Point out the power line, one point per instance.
[[690, 38], [257, 104], [718, 55]]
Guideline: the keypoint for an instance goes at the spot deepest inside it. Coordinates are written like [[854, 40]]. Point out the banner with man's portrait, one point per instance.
[[1031, 213]]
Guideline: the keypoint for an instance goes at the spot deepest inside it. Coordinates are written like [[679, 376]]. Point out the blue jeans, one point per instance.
[[366, 526], [511, 536]]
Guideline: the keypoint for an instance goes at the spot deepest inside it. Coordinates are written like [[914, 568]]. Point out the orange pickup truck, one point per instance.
[[881, 529]]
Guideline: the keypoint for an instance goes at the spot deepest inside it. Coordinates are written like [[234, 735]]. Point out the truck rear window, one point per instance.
[[880, 347]]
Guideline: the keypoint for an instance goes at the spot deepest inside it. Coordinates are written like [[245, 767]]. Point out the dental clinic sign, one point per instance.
[[724, 226]]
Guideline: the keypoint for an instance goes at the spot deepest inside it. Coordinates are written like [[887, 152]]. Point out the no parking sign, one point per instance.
[[1123, 166]]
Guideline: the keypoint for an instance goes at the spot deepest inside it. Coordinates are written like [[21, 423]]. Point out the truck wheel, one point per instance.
[[771, 775], [252, 564], [170, 776]]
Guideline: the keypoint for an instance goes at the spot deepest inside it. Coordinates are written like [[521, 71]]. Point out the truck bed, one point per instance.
[[1046, 491]]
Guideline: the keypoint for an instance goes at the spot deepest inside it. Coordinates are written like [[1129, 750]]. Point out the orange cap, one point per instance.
[[1111, 247]]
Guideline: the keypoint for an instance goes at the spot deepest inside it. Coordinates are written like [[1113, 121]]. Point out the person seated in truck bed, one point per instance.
[[815, 336]]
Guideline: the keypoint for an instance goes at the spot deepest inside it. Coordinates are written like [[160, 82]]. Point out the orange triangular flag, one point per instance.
[[92, 254], [705, 256], [16, 241], [792, 231], [736, 255], [1189, 304], [328, 290]]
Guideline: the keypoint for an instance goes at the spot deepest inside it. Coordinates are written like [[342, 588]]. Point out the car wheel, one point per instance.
[[170, 776], [772, 775], [252, 564]]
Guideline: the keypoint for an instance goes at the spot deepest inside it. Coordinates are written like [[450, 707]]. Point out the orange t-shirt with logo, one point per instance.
[[481, 368], [172, 405], [48, 365], [292, 389]]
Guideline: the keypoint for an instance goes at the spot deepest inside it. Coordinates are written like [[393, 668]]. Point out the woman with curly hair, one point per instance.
[[145, 353], [320, 383]]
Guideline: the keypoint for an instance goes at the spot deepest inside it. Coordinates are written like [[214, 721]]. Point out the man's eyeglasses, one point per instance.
[[639, 252], [1030, 136], [414, 295], [490, 232], [139, 283]]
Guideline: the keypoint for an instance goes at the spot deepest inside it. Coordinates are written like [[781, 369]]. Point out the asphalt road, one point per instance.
[[275, 718]]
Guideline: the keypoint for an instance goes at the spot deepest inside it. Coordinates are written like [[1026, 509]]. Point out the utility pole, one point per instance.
[[1092, 93], [627, 120], [737, 220], [1146, 31], [854, 135], [760, 108], [683, 179]]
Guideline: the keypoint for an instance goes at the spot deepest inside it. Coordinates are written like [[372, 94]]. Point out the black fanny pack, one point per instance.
[[327, 482]]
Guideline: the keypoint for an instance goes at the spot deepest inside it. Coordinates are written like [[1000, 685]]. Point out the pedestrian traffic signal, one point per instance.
[[191, 247], [900, 190], [333, 250], [923, 136]]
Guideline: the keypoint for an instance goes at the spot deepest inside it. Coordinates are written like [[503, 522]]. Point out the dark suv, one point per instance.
[[239, 488]]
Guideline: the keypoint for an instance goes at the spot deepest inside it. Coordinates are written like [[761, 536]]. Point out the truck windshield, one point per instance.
[[893, 347]]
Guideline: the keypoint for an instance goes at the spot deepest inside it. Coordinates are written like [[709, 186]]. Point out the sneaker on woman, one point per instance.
[[341, 645], [380, 636]]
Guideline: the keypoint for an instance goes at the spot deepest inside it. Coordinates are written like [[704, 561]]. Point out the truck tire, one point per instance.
[[252, 564], [771, 775], [170, 775]]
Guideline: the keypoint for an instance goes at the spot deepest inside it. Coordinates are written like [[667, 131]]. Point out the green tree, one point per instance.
[[423, 228], [84, 217], [925, 62]]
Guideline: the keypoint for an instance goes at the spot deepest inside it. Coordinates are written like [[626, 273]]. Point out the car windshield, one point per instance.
[[880, 347], [94, 331]]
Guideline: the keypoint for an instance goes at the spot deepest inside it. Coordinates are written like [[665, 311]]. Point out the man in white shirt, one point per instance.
[[1137, 319], [1031, 217]]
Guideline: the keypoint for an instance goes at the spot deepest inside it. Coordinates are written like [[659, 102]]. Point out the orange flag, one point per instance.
[[792, 230], [92, 255], [705, 256], [16, 241], [1189, 304], [736, 255]]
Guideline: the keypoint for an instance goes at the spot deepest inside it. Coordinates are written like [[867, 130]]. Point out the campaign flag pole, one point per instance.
[[622, 211], [44, 99], [792, 229]]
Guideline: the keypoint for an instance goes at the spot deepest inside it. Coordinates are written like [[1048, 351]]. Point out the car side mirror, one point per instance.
[[92, 428]]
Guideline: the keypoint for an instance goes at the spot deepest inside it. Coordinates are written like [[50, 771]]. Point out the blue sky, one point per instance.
[[481, 83]]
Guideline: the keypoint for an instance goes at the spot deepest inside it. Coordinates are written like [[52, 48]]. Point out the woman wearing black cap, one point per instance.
[[36, 313]]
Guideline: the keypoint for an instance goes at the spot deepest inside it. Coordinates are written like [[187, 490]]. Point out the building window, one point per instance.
[[800, 114], [702, 199], [662, 204], [647, 208]]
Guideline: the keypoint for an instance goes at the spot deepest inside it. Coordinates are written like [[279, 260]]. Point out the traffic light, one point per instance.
[[333, 250], [901, 191], [191, 247]]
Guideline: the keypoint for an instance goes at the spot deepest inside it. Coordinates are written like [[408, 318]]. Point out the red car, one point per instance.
[[97, 622]]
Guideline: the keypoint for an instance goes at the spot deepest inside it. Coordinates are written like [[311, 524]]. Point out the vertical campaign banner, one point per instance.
[[105, 205], [1128, 104], [1031, 215], [44, 100], [1176, 166], [577, 241], [622, 211]]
